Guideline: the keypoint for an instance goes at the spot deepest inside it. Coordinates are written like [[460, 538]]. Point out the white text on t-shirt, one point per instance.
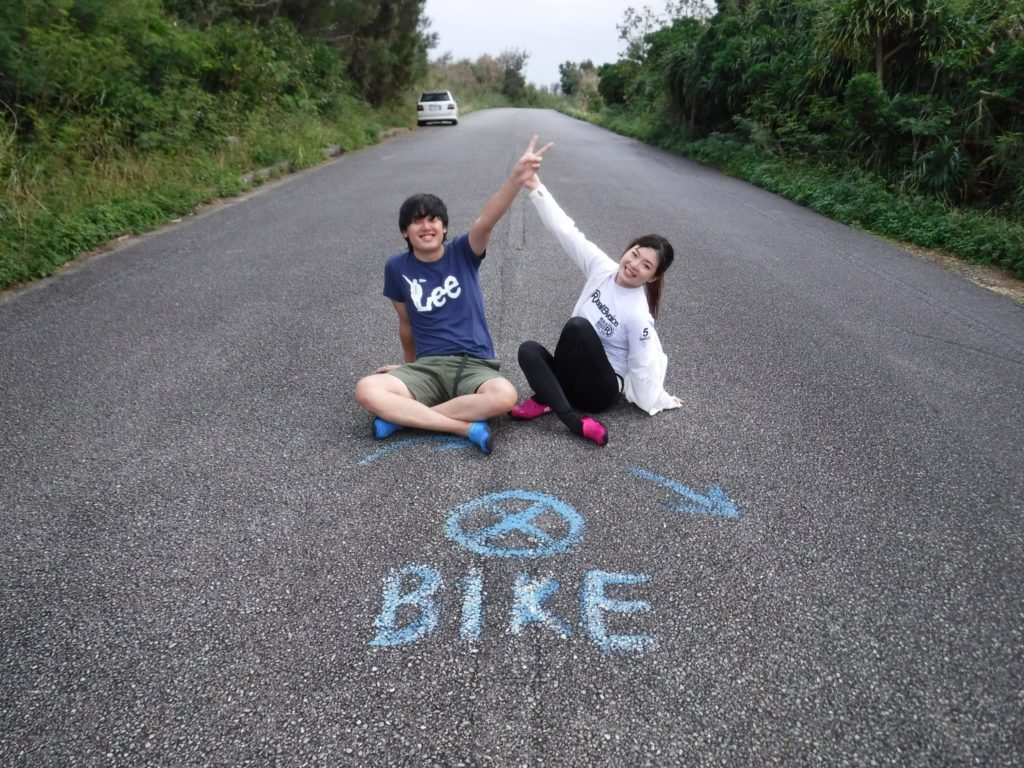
[[450, 289]]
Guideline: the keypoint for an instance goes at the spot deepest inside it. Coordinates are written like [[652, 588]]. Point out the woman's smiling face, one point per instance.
[[637, 266]]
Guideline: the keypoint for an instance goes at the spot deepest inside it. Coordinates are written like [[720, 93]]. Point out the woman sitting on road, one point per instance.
[[609, 346]]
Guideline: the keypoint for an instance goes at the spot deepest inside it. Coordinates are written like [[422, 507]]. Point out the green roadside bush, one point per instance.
[[854, 196], [116, 117], [844, 192]]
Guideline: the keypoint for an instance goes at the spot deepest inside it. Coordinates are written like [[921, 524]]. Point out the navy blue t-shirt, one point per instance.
[[444, 301]]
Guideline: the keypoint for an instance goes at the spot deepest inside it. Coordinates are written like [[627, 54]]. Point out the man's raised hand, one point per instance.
[[530, 162]]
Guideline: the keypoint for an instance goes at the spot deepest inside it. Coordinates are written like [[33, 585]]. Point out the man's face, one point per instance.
[[425, 234]]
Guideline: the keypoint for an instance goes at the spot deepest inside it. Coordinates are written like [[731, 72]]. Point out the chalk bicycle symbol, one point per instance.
[[521, 516]]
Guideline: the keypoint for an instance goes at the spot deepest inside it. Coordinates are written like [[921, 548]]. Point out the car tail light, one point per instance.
[[451, 106], [419, 107]]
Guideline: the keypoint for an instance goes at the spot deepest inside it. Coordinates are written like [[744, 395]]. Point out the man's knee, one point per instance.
[[501, 391], [369, 388], [364, 390]]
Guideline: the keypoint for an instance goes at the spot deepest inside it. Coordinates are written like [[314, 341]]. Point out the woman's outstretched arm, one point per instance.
[[585, 254]]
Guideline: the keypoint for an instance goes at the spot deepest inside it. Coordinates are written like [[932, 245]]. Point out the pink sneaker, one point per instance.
[[594, 430], [529, 409]]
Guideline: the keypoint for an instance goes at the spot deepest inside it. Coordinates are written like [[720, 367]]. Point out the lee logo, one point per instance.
[[450, 289]]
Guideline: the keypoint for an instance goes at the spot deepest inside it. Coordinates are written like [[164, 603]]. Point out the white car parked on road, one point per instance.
[[437, 107]]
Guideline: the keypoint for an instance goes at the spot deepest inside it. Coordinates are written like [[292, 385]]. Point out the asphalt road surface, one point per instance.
[[206, 559]]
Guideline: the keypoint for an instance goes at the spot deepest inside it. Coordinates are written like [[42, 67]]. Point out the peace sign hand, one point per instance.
[[529, 163]]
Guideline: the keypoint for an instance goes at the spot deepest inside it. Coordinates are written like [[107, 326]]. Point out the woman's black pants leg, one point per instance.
[[577, 376]]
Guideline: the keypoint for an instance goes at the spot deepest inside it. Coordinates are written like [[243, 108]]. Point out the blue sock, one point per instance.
[[382, 429], [480, 435]]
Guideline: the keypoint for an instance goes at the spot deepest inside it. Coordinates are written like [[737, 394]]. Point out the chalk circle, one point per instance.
[[511, 516]]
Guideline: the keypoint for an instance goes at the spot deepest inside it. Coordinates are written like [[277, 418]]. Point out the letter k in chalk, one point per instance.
[[530, 595]]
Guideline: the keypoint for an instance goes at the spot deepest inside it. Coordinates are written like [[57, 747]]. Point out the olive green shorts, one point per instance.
[[437, 379]]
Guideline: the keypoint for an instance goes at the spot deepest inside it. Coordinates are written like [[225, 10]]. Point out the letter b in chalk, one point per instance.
[[421, 599]]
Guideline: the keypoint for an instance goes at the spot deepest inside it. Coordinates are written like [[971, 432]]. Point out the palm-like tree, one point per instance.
[[865, 30]]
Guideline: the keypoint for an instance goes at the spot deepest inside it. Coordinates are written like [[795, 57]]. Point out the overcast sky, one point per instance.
[[551, 31]]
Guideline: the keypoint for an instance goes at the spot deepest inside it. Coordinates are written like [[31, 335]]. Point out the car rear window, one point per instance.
[[438, 96]]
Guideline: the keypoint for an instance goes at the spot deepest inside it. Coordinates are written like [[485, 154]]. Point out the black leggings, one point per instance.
[[577, 376]]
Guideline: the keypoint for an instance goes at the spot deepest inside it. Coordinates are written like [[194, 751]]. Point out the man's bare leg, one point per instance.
[[387, 397], [492, 398]]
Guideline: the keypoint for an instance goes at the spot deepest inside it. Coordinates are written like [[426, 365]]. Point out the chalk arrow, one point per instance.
[[715, 502], [440, 443]]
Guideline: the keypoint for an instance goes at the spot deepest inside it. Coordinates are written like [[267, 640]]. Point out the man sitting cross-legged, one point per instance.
[[449, 381]]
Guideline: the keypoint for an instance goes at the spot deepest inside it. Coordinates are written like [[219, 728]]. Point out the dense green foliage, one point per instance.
[[117, 115], [918, 104]]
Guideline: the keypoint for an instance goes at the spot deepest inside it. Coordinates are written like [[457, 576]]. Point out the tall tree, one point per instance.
[[513, 62], [878, 31], [389, 53], [569, 77]]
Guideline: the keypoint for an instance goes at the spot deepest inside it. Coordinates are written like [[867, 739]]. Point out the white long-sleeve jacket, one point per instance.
[[619, 315]]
